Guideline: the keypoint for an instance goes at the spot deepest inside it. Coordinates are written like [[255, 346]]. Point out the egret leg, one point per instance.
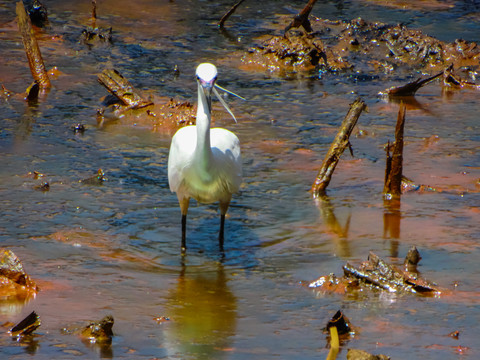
[[220, 234], [184, 230], [223, 210], [184, 208]]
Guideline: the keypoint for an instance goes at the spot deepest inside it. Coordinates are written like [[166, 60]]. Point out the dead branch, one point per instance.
[[301, 19], [411, 88], [337, 148], [120, 87], [450, 80], [393, 170], [225, 17], [37, 67]]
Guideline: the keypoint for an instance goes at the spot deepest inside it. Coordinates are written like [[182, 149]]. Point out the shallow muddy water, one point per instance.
[[115, 248]]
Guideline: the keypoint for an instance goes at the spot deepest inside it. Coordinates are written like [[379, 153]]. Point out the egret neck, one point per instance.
[[203, 152]]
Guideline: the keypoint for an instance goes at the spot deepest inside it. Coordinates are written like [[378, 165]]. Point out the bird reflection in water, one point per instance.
[[203, 313]]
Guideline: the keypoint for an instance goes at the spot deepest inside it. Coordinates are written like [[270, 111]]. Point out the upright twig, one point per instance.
[[337, 148], [227, 15], [301, 19], [94, 14], [37, 67], [94, 9], [393, 170]]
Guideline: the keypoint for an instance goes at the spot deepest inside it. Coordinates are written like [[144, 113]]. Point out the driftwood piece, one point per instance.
[[337, 148], [376, 273], [301, 19], [393, 170], [120, 87], [225, 17], [35, 60]]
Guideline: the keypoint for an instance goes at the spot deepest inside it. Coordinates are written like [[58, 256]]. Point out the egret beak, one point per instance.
[[230, 92], [223, 101], [207, 87]]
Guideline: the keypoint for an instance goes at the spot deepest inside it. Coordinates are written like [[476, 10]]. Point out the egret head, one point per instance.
[[206, 77]]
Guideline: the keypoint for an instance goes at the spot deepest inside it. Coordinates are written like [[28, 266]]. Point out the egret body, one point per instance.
[[204, 163]]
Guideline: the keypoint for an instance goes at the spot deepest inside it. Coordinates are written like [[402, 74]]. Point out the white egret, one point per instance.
[[205, 164]]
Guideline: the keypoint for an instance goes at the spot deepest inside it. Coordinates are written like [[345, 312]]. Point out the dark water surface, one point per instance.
[[115, 249]]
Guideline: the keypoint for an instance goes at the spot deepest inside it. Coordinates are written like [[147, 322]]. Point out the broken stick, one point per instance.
[[411, 88], [227, 15], [393, 171], [37, 67], [337, 148]]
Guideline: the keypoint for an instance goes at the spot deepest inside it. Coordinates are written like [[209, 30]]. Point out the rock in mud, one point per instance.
[[26, 326], [14, 281], [94, 36], [354, 354], [96, 332], [99, 331], [37, 12], [97, 179]]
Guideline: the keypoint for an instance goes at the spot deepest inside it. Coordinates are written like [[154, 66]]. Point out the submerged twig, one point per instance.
[[301, 19], [225, 17], [117, 85], [393, 171], [337, 148], [37, 67]]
